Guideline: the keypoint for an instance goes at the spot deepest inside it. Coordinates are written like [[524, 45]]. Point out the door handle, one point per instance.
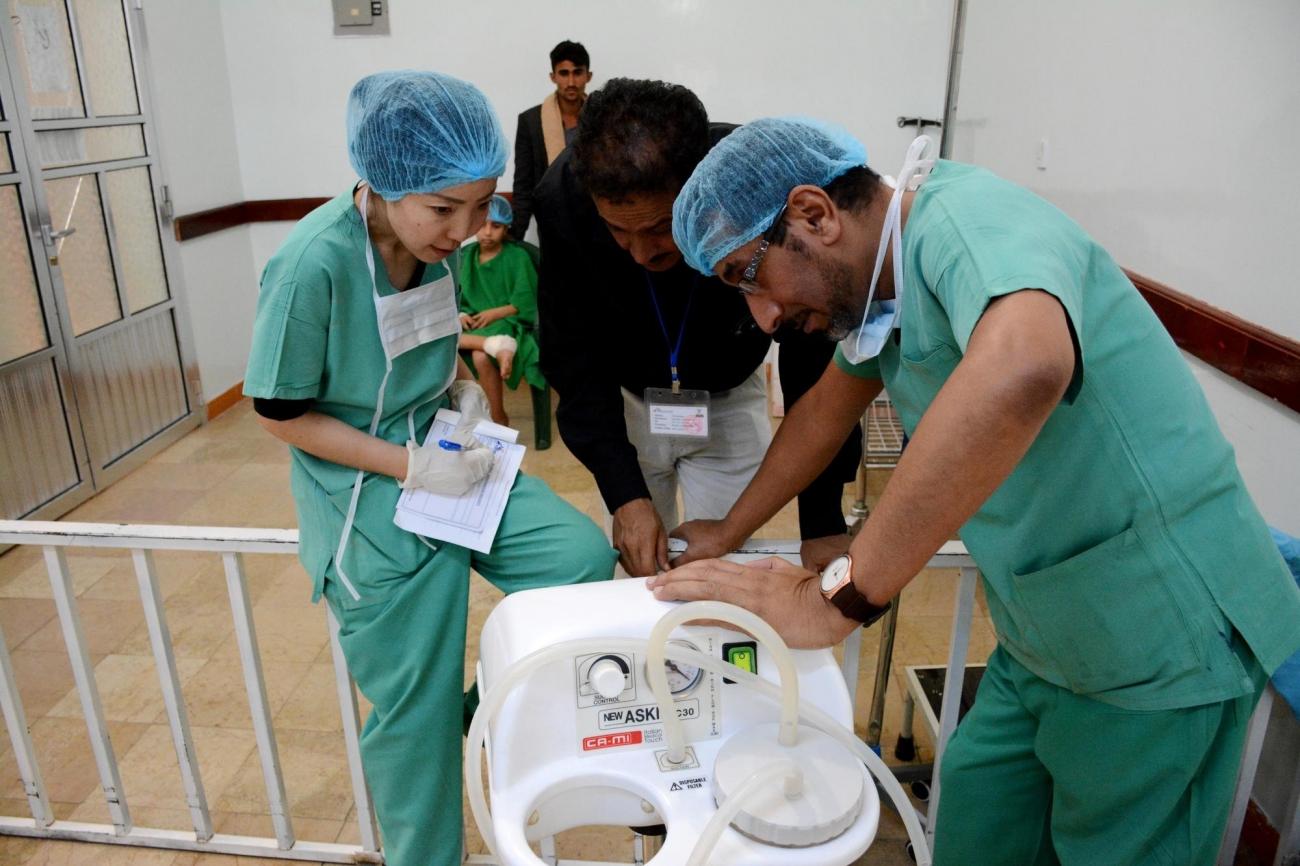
[[51, 239], [918, 122], [49, 235]]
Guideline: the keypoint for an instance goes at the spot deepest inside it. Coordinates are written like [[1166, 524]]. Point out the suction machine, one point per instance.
[[602, 706]]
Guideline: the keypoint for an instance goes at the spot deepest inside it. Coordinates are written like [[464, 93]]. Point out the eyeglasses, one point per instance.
[[747, 283]]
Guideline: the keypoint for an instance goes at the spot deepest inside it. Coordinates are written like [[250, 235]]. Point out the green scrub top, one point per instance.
[[1122, 552], [507, 278], [316, 337]]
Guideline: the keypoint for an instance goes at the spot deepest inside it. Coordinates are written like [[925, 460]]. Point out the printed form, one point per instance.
[[470, 520]]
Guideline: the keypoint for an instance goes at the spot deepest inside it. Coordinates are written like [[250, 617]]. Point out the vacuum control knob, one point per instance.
[[608, 678]]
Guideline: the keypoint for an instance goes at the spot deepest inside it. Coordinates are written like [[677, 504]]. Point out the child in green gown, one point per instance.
[[498, 309]]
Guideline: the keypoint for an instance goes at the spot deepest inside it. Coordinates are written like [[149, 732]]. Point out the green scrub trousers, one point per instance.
[[1137, 596], [1038, 775], [406, 650]]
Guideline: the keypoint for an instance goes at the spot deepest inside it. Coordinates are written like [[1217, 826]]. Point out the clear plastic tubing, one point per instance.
[[737, 616]]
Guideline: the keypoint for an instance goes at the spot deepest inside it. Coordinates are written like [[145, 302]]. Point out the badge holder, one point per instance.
[[678, 412]]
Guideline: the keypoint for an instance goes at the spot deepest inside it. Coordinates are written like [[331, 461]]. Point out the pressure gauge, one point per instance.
[[681, 676]]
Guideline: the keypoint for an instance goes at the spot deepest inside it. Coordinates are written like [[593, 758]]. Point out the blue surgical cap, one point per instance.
[[499, 210], [418, 132], [738, 189]]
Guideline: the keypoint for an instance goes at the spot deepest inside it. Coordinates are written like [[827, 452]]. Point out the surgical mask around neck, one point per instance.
[[406, 320], [880, 317], [416, 316]]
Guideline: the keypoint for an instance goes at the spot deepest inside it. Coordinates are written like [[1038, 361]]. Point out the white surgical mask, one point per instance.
[[417, 316], [881, 317], [406, 320]]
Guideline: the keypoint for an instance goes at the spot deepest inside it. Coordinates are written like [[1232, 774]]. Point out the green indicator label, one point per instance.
[[743, 654], [743, 657]]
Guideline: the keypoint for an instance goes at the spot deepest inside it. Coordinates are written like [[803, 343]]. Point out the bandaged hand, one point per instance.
[[438, 470], [468, 398]]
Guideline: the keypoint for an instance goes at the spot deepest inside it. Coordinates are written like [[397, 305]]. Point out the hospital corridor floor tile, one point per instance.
[[231, 473]]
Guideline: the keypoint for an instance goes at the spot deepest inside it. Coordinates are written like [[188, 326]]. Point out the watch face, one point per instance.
[[835, 573]]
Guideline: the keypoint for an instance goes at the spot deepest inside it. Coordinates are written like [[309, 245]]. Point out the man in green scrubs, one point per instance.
[[354, 351], [1136, 594]]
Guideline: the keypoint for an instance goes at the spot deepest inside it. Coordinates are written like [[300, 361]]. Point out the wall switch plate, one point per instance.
[[360, 17]]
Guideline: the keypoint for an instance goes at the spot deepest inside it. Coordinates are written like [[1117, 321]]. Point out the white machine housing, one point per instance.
[[561, 754]]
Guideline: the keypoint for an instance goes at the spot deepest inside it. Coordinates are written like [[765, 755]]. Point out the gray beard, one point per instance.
[[844, 315]]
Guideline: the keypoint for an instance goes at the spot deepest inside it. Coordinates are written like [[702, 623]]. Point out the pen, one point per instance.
[[448, 445]]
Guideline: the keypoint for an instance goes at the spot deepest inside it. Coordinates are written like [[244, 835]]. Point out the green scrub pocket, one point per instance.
[[1107, 618]]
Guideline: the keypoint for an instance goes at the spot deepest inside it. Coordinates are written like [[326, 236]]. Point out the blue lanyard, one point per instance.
[[674, 351]]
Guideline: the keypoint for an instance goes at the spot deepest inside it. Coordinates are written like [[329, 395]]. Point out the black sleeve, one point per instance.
[[522, 194], [281, 410], [573, 319], [802, 360]]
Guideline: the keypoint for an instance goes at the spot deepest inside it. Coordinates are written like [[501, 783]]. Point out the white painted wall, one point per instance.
[[861, 63], [252, 95], [266, 239], [1266, 437], [1167, 125], [221, 284], [196, 127]]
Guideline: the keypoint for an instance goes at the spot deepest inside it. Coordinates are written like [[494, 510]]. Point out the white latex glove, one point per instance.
[[469, 398], [437, 470]]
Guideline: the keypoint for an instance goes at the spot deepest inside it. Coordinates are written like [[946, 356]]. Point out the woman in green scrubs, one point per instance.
[[354, 351]]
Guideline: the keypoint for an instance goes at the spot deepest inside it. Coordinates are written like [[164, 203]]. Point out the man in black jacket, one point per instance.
[[624, 324], [545, 130]]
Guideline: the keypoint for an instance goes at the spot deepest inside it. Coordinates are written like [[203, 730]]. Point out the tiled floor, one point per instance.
[[231, 473]]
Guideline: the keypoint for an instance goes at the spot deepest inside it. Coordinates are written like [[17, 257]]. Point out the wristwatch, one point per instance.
[[838, 589]]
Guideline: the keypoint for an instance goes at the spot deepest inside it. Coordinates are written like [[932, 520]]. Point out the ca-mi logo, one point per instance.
[[611, 741]]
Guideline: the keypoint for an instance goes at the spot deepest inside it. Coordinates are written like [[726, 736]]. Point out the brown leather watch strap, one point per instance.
[[855, 606]]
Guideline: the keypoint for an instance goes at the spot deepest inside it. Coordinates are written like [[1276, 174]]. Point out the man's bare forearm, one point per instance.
[[809, 437]]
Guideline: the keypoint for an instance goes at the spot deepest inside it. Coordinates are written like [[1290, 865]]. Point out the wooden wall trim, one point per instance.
[[264, 210], [226, 399], [196, 225], [1259, 838], [1262, 359]]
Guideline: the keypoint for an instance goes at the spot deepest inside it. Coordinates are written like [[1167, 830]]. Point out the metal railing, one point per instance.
[[231, 544]]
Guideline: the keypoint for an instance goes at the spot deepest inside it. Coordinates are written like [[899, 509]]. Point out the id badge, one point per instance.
[[685, 413]]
